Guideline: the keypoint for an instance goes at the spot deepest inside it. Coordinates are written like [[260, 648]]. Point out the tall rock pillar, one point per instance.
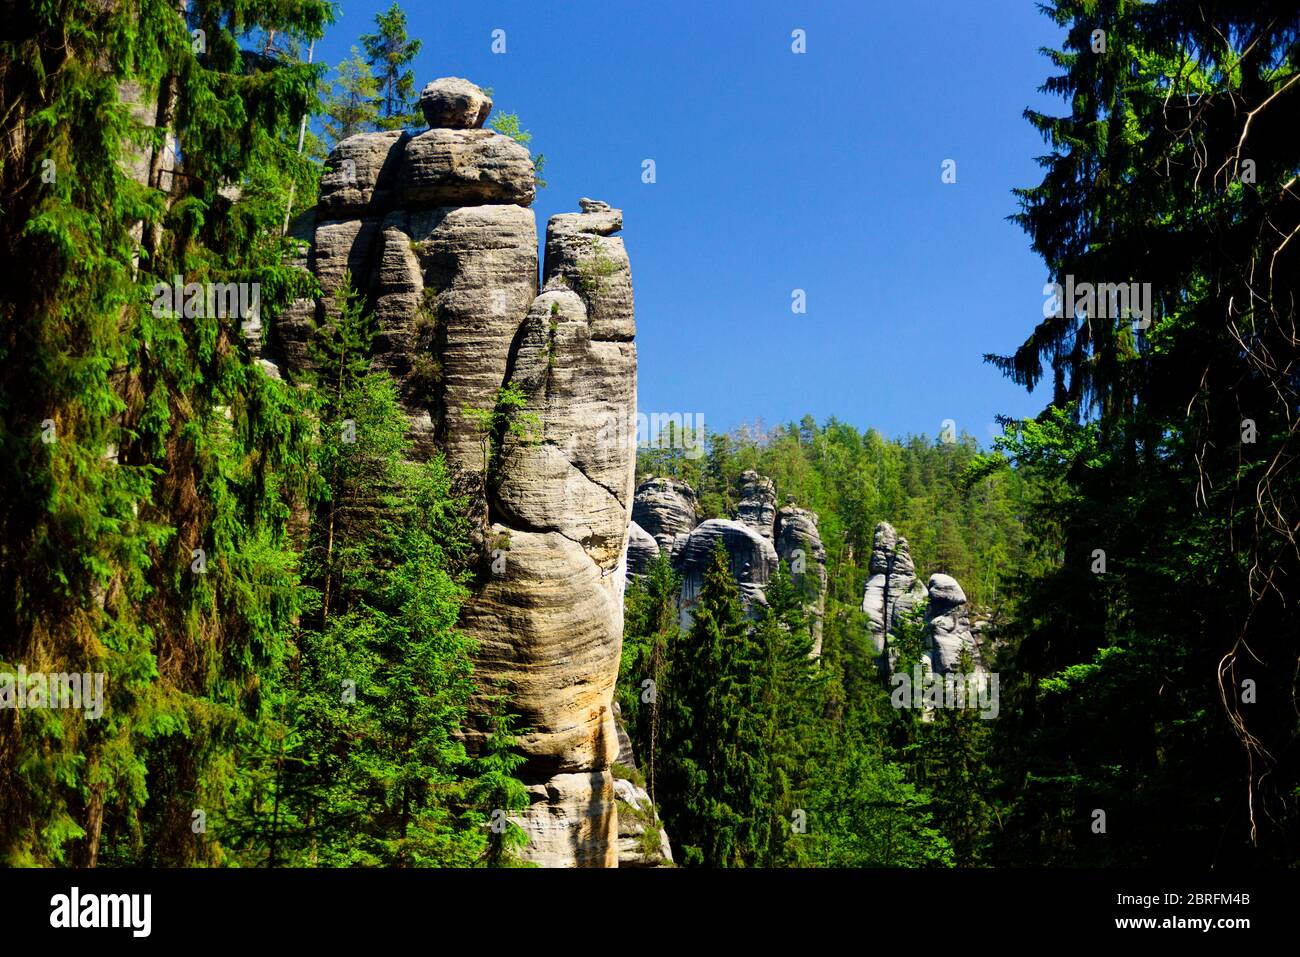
[[437, 233]]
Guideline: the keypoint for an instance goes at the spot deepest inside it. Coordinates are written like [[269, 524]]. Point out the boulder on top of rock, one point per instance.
[[944, 591], [597, 219], [453, 103], [582, 255]]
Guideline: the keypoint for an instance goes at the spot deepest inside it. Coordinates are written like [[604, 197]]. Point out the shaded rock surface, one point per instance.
[[757, 507], [799, 545], [571, 821], [752, 557], [361, 175], [636, 812], [642, 550], [642, 842], [665, 508]]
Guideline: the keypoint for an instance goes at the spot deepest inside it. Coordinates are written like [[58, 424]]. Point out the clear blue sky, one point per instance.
[[778, 171]]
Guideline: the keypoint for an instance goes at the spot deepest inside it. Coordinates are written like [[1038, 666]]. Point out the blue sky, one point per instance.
[[778, 171]]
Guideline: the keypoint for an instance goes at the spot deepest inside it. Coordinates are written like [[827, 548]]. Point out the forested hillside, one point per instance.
[[815, 766]]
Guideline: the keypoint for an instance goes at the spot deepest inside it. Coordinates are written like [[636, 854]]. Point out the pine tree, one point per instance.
[[388, 52], [350, 102], [785, 681], [713, 781], [650, 633], [495, 791]]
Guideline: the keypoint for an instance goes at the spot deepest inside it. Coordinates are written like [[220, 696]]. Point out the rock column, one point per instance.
[[436, 231]]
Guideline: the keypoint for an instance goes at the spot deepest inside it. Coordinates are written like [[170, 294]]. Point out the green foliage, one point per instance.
[[955, 520], [97, 551], [712, 780], [650, 629], [507, 124], [389, 51], [1166, 449], [350, 101], [504, 426], [594, 268]]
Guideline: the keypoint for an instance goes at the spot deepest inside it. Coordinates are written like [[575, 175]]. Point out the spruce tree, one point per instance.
[[150, 462], [389, 51], [350, 102], [713, 781], [786, 684]]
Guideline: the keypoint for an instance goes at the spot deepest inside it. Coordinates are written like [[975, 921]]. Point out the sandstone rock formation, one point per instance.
[[753, 560], [759, 536], [799, 544], [642, 550], [636, 820], [642, 841], [452, 103], [757, 507], [436, 233], [948, 627], [665, 508], [893, 590]]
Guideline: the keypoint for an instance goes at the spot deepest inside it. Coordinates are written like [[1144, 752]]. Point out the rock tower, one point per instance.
[[436, 231]]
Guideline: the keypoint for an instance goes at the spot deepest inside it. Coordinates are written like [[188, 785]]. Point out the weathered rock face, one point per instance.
[[570, 820], [892, 590], [757, 507], [665, 508], [581, 254], [461, 167], [799, 544], [436, 233], [756, 539], [636, 820], [753, 559], [949, 632], [361, 175], [642, 550]]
